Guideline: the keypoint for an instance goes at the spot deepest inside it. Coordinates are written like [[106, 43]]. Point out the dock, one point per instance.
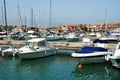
[[58, 45]]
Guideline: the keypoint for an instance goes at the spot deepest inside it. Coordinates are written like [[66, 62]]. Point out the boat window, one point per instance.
[[113, 41], [119, 47], [27, 43], [31, 43], [42, 43]]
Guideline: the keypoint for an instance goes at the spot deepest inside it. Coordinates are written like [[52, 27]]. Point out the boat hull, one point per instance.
[[87, 58], [37, 54], [10, 52], [91, 60], [72, 39]]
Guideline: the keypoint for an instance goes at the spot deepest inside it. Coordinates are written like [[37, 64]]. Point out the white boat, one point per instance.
[[72, 37], [91, 54], [36, 48], [107, 42], [11, 51], [115, 57], [115, 32], [52, 38], [86, 40]]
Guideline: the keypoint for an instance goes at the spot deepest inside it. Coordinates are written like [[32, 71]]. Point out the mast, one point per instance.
[[2, 15], [25, 23], [39, 18], [5, 16], [106, 18], [31, 17], [19, 13], [50, 14]]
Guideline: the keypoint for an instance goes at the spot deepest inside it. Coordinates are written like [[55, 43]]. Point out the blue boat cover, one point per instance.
[[90, 49]]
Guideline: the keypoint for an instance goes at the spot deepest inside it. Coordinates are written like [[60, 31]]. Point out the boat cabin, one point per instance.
[[37, 42]]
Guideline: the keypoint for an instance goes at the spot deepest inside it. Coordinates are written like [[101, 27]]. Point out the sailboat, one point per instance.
[[53, 35]]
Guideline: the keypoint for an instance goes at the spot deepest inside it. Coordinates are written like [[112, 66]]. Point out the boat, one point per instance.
[[72, 37], [17, 35], [11, 51], [3, 33], [115, 57], [109, 39], [36, 48], [115, 32], [52, 38], [106, 42], [91, 54]]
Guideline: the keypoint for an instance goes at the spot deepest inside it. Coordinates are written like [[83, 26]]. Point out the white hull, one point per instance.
[[10, 52], [87, 58], [90, 60], [37, 54]]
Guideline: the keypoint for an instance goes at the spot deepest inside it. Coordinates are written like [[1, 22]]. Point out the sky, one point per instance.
[[62, 11]]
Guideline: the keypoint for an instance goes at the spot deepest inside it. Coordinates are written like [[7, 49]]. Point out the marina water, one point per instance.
[[55, 68]]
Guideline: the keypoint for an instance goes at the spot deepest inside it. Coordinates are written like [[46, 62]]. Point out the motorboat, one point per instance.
[[90, 51], [36, 48], [91, 54], [115, 57]]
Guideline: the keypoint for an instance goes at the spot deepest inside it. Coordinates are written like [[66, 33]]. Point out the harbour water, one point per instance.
[[55, 68]]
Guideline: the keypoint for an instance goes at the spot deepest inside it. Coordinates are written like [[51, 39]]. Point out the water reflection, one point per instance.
[[55, 68], [101, 71]]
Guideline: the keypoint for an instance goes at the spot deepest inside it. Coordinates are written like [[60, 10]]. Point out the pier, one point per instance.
[[58, 45]]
